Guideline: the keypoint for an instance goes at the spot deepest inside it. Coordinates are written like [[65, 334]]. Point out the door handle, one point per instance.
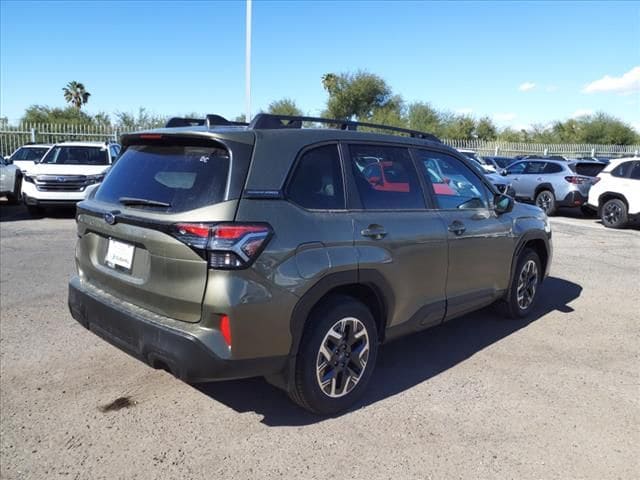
[[457, 227], [374, 231]]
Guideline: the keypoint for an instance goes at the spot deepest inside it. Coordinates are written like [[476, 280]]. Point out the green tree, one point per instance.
[[76, 94], [286, 106], [44, 114], [142, 120], [355, 96], [424, 118], [458, 127], [486, 130]]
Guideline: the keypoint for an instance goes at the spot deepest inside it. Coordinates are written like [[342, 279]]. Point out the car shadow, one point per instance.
[[15, 213], [402, 364]]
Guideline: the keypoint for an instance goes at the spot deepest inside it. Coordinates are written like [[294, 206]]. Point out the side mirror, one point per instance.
[[504, 172], [503, 204]]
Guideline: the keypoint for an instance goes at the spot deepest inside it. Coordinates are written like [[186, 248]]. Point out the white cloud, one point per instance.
[[582, 112], [464, 111], [624, 85], [526, 86], [551, 88], [504, 117]]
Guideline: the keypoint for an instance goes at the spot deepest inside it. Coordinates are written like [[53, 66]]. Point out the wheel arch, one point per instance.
[[543, 186], [538, 242], [608, 195]]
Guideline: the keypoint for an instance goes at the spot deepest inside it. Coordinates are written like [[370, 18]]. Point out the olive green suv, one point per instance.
[[292, 247]]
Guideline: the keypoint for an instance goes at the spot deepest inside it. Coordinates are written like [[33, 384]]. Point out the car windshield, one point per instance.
[[29, 154], [68, 155]]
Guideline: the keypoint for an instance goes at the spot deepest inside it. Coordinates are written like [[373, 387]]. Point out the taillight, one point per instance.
[[225, 329], [226, 245], [577, 180]]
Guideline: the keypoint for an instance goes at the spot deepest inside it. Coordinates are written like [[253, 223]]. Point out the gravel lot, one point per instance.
[[557, 396]]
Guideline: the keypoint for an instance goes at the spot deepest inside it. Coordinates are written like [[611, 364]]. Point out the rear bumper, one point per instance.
[[573, 199], [192, 353]]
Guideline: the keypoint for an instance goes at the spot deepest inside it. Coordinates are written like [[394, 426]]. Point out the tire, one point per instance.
[[546, 200], [345, 383], [35, 211], [520, 298], [15, 197], [614, 213]]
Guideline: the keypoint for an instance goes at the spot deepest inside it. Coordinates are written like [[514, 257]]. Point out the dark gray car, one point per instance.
[[223, 251]]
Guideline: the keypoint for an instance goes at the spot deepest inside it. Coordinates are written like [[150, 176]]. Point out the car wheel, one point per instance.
[[15, 197], [614, 213], [337, 356], [523, 290], [35, 211], [546, 200]]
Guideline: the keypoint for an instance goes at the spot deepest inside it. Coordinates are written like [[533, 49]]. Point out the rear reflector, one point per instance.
[[225, 329], [226, 245]]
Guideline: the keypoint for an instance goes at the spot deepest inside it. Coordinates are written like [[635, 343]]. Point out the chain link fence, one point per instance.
[[12, 137]]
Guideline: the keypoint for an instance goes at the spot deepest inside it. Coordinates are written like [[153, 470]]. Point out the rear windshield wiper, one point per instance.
[[131, 201]]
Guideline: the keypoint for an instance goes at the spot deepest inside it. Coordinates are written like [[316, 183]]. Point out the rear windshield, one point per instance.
[[587, 169], [32, 153], [77, 156], [176, 177]]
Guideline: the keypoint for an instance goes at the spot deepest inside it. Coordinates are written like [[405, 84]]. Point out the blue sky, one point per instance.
[[520, 63]]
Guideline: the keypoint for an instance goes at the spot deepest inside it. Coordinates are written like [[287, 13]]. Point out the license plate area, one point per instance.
[[119, 255]]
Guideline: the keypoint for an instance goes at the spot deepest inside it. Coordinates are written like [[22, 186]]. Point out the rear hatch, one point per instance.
[[586, 175], [130, 243]]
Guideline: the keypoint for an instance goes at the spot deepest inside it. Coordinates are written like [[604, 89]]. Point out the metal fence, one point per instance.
[[12, 137]]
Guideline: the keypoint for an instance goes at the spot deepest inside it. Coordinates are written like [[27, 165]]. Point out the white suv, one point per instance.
[[28, 155], [617, 194], [65, 172]]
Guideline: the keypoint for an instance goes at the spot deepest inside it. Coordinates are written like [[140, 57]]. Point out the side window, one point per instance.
[[454, 185], [535, 167], [635, 171], [316, 183], [517, 169], [385, 178], [623, 170], [552, 168]]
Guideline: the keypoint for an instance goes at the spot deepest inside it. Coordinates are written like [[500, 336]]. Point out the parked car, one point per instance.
[[543, 157], [10, 181], [64, 174], [488, 167], [500, 162], [27, 155], [552, 183], [617, 195], [218, 251]]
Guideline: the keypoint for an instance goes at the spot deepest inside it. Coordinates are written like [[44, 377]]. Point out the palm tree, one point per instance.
[[75, 94]]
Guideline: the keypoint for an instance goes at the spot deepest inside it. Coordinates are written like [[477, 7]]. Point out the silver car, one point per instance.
[[10, 181], [552, 183]]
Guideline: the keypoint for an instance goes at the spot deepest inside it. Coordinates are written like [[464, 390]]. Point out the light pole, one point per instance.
[[247, 64]]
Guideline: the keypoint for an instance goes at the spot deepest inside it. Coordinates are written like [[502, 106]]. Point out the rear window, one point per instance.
[[587, 169], [77, 156], [183, 177]]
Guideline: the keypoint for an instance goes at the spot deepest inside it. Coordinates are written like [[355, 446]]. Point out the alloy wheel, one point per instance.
[[527, 284], [544, 201], [612, 213], [342, 357]]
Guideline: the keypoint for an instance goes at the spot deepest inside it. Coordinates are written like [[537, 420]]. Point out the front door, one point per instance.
[[480, 243]]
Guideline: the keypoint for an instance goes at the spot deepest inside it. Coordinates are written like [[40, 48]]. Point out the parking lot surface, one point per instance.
[[555, 396]]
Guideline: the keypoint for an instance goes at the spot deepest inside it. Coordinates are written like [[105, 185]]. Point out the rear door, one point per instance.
[[532, 177], [395, 235], [129, 230], [480, 243]]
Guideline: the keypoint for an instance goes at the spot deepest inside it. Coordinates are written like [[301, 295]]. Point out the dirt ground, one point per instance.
[[555, 396]]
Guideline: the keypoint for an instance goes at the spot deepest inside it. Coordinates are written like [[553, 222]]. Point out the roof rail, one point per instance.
[[210, 121], [268, 121]]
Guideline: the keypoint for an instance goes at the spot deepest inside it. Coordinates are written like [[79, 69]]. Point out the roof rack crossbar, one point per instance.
[[269, 121]]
